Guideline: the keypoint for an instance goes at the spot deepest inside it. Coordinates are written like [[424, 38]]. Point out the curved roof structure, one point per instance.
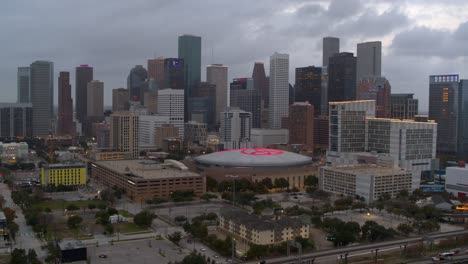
[[254, 157]]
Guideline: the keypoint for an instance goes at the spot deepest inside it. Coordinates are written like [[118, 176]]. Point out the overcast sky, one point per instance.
[[420, 37]]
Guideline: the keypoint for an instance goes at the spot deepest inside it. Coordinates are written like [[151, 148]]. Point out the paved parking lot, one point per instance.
[[144, 251]]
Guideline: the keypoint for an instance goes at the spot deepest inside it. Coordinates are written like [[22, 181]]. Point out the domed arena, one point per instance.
[[256, 164]]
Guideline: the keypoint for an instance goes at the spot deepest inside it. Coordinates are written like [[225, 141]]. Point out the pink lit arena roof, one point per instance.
[[254, 157]]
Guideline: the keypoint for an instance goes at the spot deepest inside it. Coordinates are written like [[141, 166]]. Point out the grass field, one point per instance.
[[125, 213], [129, 228], [62, 204]]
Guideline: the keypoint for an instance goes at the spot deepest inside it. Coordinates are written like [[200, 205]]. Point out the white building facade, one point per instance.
[[147, 129], [262, 138], [217, 74], [279, 89], [456, 180], [171, 103], [235, 129]]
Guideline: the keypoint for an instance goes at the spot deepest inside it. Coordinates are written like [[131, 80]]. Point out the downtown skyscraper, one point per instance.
[[369, 60], [190, 51], [331, 46], [84, 74], [309, 87], [65, 125], [217, 74], [279, 89], [261, 83], [136, 83], [342, 77], [24, 91], [42, 97]]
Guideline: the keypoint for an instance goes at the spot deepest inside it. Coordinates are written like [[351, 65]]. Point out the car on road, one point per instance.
[[202, 249], [103, 256], [216, 256]]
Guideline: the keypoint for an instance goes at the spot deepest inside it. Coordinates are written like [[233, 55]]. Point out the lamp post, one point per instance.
[[233, 243]]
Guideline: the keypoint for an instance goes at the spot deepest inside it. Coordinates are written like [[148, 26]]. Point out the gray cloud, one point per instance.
[[115, 35]]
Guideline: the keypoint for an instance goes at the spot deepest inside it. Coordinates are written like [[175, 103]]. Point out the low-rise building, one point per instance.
[[264, 230], [264, 137], [456, 180], [11, 152], [369, 181], [146, 179], [110, 155], [63, 174]]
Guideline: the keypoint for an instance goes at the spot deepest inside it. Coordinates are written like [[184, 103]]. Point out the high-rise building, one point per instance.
[[171, 103], [23, 85], [65, 106], [16, 120], [331, 46], [348, 125], [244, 96], [301, 124], [235, 128], [84, 74], [42, 97], [279, 89], [378, 89], [174, 74], [308, 87], [324, 93], [136, 83], [463, 121], [151, 101], [261, 83], [444, 109], [120, 99], [190, 52], [124, 135], [156, 71], [147, 129], [164, 132], [195, 133], [403, 106], [369, 60], [102, 131], [217, 74], [95, 95], [321, 132], [342, 77], [203, 104]]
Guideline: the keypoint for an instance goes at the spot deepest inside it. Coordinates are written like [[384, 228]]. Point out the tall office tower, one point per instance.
[[244, 96], [348, 125], [150, 101], [136, 83], [403, 106], [171, 103], [120, 99], [174, 74], [102, 131], [463, 123], [156, 71], [308, 87], [23, 85], [16, 120], [190, 52], [42, 97], [342, 77], [95, 99], [321, 132], [203, 104], [195, 133], [217, 74], [235, 129], [84, 74], [301, 124], [378, 89], [148, 125], [331, 46], [279, 89], [124, 134], [369, 60], [261, 82], [444, 109], [65, 106], [324, 88]]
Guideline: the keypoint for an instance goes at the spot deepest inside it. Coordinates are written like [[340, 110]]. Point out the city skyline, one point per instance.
[[404, 31]]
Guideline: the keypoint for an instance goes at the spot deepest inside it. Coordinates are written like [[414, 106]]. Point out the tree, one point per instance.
[[311, 180], [10, 214], [91, 206], [281, 183], [13, 229], [182, 196], [32, 257], [193, 259], [2, 202], [108, 195], [18, 256], [257, 251], [175, 237], [53, 252], [211, 184], [405, 229], [144, 218], [180, 218], [72, 207], [73, 221], [267, 183], [208, 196]]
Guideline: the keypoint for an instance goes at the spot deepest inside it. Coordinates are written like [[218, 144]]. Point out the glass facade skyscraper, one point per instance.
[[190, 51], [463, 120]]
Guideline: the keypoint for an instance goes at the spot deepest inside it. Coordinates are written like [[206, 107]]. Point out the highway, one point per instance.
[[381, 246]]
